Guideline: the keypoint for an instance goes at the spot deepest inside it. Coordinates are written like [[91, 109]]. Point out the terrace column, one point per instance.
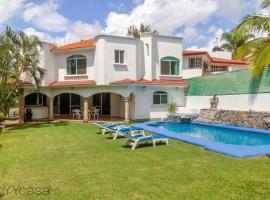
[[85, 108], [126, 101], [21, 106], [50, 108]]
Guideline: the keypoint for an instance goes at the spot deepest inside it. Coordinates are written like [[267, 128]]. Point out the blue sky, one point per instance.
[[200, 22]]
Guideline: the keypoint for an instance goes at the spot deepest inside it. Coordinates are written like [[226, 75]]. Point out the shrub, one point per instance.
[[2, 117], [172, 108]]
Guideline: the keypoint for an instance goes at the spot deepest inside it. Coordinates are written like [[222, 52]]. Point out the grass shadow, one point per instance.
[[36, 125]]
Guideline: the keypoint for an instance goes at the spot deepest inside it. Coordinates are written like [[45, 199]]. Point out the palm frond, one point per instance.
[[255, 23], [260, 59], [265, 4]]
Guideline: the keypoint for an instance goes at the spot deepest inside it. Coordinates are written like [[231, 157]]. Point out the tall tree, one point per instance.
[[136, 32], [257, 51], [19, 53], [234, 39]]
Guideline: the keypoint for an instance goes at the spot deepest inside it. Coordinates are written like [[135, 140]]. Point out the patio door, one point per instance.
[[106, 107], [65, 103], [102, 101]]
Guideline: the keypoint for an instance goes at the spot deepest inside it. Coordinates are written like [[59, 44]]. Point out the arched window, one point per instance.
[[160, 97], [76, 64], [36, 99], [169, 66]]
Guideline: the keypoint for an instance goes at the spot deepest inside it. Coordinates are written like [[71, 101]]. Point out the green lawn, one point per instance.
[[77, 163]]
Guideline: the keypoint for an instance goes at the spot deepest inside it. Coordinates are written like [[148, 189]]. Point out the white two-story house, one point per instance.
[[121, 76]]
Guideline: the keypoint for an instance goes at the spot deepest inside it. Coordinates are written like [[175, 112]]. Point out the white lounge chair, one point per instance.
[[114, 127], [135, 141], [128, 132]]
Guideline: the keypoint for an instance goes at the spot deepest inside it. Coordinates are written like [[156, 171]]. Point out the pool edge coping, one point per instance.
[[237, 151]]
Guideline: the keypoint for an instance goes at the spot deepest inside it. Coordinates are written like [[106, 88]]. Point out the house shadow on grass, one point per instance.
[[36, 125]]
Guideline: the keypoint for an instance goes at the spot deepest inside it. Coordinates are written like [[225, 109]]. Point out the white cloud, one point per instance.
[[212, 29], [80, 30], [76, 32], [119, 7], [45, 16], [9, 8], [212, 42], [189, 33], [163, 15], [44, 36], [230, 9]]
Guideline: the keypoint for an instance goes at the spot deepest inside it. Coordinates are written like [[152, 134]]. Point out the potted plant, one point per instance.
[[172, 108]]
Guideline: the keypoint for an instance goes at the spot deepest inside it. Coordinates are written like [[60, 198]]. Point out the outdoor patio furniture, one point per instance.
[[111, 127], [94, 113], [135, 141], [77, 114], [128, 132]]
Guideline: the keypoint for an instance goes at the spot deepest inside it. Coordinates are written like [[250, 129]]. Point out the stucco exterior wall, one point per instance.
[[61, 65], [39, 112], [107, 70], [190, 73], [256, 102], [145, 109]]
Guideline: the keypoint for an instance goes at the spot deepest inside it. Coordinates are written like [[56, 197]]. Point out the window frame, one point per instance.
[[39, 99], [195, 58], [118, 51], [170, 60], [160, 94], [73, 57]]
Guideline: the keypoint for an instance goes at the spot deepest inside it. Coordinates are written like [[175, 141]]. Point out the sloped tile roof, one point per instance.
[[153, 82], [76, 45], [214, 59], [72, 83]]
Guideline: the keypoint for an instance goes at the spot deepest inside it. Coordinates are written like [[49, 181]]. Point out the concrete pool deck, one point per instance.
[[237, 151]]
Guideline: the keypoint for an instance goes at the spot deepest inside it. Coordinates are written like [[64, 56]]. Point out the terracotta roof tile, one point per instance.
[[72, 83], [213, 59], [76, 45], [153, 82]]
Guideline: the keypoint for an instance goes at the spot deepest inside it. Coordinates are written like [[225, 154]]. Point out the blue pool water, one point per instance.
[[216, 134]]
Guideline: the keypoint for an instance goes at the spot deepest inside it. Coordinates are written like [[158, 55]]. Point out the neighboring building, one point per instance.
[[200, 63], [122, 76]]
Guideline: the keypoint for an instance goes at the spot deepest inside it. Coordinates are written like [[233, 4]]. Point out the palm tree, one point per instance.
[[256, 51], [19, 54], [234, 39], [136, 32]]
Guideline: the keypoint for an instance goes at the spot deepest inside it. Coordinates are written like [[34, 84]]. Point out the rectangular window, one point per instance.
[[195, 63], [81, 69], [71, 67], [163, 99], [169, 68], [165, 67], [156, 99], [76, 64], [119, 57], [36, 99]]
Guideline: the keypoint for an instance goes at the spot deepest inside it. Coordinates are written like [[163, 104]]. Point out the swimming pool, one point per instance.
[[228, 140]]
